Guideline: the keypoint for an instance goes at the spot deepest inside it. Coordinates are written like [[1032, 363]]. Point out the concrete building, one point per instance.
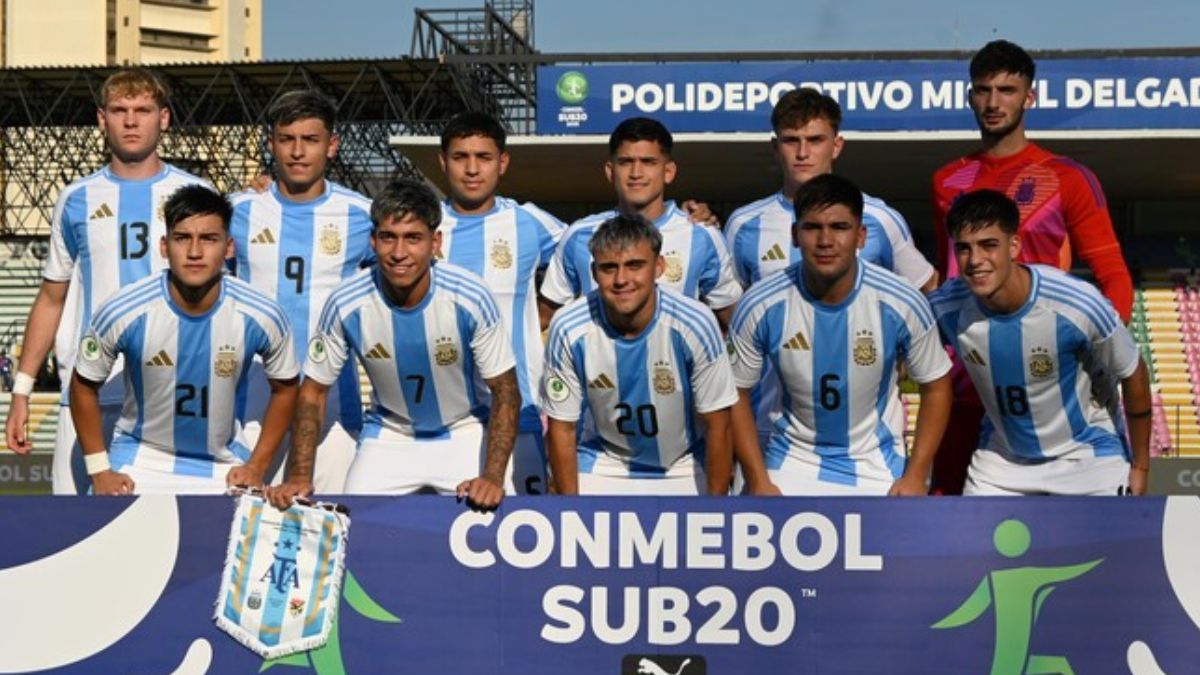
[[124, 32]]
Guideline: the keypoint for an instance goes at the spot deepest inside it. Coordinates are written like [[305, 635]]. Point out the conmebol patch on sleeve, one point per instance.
[[283, 576]]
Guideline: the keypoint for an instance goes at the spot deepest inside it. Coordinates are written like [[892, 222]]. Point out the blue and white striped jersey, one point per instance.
[[1048, 374], [297, 253], [638, 397], [836, 368], [104, 235], [427, 364], [182, 370], [697, 263], [506, 246], [759, 236]]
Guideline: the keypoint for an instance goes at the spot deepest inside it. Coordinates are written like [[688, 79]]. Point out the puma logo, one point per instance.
[[648, 667]]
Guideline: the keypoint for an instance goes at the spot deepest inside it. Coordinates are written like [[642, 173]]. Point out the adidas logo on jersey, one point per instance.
[[974, 357], [774, 254], [797, 342], [263, 237], [160, 359], [378, 352], [601, 382], [102, 212]]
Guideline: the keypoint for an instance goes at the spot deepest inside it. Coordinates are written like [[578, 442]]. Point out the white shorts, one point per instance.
[[610, 476], [152, 475], [800, 480], [335, 452], [68, 474], [397, 465], [991, 473]]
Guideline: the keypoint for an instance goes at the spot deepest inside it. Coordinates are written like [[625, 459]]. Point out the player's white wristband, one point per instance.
[[96, 462], [22, 384]]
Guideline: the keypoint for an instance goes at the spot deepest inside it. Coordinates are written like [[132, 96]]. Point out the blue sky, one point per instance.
[[311, 29]]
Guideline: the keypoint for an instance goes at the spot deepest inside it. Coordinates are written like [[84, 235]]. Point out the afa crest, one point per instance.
[[502, 257], [1041, 365], [1026, 192], [330, 240], [664, 378], [226, 362], [865, 353], [673, 271], [445, 352]]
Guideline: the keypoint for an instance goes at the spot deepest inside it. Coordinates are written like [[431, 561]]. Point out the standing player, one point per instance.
[[1063, 214], [759, 235], [695, 260], [805, 145], [187, 336], [1048, 350], [102, 238], [295, 242], [506, 243], [641, 362], [834, 329], [432, 340]]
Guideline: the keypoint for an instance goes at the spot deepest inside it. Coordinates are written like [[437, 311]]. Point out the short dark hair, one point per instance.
[[302, 104], [1002, 56], [623, 231], [637, 129], [406, 197], [472, 123], [801, 106], [196, 200], [981, 208], [826, 190]]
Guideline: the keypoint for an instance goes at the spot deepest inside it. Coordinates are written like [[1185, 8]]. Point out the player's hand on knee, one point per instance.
[[763, 489], [481, 492], [15, 429], [111, 483], [282, 496], [908, 486], [244, 475], [1138, 481]]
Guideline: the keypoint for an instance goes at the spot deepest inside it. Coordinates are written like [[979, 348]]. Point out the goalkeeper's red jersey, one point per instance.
[[1063, 213]]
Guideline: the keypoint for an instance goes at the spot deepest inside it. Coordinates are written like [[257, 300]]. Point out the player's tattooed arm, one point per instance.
[[306, 431], [487, 490]]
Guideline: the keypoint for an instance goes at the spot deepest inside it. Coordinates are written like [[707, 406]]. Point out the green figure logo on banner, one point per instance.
[[572, 87], [1018, 594]]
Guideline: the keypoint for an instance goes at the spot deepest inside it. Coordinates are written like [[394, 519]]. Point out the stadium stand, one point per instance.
[[1167, 324]]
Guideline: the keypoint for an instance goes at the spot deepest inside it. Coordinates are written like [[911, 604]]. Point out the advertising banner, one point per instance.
[[892, 95], [633, 585]]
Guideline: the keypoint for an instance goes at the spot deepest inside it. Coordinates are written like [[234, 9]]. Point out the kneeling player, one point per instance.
[[834, 328], [433, 343], [1045, 350], [640, 362], [187, 336]]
